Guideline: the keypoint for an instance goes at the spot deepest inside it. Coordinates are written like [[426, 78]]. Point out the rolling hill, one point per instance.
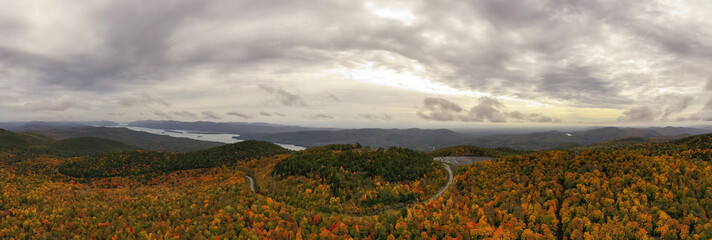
[[81, 146], [142, 140], [427, 140]]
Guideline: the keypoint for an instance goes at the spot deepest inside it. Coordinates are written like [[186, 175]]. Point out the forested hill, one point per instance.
[[145, 164], [12, 140], [143, 140], [25, 145]]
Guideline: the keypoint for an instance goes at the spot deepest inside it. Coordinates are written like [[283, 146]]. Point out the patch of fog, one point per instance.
[[212, 137]]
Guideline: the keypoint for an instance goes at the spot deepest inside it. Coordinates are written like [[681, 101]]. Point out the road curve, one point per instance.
[[442, 190], [252, 183]]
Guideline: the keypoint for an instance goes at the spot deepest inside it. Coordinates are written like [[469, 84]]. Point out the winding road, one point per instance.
[[449, 182], [252, 183]]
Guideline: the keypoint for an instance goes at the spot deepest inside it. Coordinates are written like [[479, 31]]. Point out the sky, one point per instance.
[[431, 63]]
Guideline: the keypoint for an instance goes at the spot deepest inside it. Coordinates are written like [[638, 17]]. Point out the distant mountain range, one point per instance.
[[420, 139], [557, 139], [432, 139]]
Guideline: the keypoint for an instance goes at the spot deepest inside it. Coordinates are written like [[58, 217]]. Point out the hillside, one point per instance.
[[82, 146], [473, 151], [142, 140], [145, 164], [351, 179], [12, 140]]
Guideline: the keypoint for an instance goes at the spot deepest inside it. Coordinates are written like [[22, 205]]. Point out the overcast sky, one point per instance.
[[432, 63]]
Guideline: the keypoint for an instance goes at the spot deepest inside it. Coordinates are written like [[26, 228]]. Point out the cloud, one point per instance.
[[284, 97], [487, 109], [377, 117], [142, 99], [320, 117], [57, 105], [7, 99], [610, 54], [267, 114], [333, 98], [241, 115], [163, 115], [533, 117], [184, 114], [439, 109], [638, 114], [675, 104], [211, 115]]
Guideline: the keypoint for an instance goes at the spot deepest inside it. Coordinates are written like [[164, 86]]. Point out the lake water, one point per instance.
[[212, 137]]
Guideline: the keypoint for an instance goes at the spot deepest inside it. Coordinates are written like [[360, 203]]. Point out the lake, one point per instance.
[[212, 137]]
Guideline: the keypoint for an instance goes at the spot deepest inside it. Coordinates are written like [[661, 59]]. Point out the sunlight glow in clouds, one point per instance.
[[399, 14], [369, 73]]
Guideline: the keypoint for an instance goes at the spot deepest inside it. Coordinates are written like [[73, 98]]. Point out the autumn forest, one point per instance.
[[90, 188]]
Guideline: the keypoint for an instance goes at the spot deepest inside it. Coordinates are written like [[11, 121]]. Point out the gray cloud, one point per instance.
[[184, 114], [571, 53], [439, 109], [268, 114], [241, 115], [211, 115], [333, 98], [377, 117], [163, 115], [135, 43], [708, 86], [638, 114], [675, 104], [142, 99], [284, 97], [487, 109], [7, 99], [576, 83], [320, 117], [57, 105], [533, 117]]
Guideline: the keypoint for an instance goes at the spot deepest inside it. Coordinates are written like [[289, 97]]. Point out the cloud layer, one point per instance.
[[508, 61], [487, 110]]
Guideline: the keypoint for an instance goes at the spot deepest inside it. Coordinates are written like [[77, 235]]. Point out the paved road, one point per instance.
[[449, 182], [252, 183]]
